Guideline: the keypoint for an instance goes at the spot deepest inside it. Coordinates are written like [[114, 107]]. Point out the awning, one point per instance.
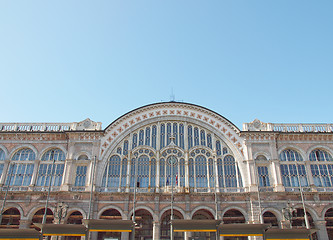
[[242, 229], [62, 229], [29, 234], [295, 234], [102, 225], [181, 225]]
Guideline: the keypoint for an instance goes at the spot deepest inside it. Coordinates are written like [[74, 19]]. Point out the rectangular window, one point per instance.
[[263, 177], [81, 173]]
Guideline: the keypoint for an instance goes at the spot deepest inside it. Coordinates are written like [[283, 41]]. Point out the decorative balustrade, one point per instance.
[[257, 125], [50, 127]]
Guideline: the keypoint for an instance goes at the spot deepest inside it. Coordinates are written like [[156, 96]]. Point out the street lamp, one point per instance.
[[134, 197], [172, 160], [302, 197]]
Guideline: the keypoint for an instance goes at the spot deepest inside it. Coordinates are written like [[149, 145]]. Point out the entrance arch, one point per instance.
[[165, 225], [144, 224], [11, 218], [233, 216], [203, 214], [329, 222]]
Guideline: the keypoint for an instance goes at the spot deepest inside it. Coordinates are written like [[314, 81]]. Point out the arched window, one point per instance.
[[83, 157], [201, 172], [292, 174], [2, 155], [21, 168], [111, 175], [2, 158], [230, 173], [321, 168], [143, 172], [52, 164]]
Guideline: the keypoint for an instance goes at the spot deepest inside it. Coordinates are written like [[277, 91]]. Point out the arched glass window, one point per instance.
[[261, 158], [135, 141], [321, 168], [153, 173], [218, 148], [83, 157], [209, 141], [230, 174], [123, 172], [292, 174], [320, 156], [111, 175], [190, 137], [125, 151], [203, 138], [181, 136], [147, 142], [201, 171], [162, 172], [220, 172], [191, 172], [196, 136], [141, 136], [48, 169], [2, 158], [20, 173], [211, 173], [2, 155], [181, 177], [175, 133], [143, 171], [169, 133], [290, 155], [172, 162], [154, 134], [25, 154], [162, 137]]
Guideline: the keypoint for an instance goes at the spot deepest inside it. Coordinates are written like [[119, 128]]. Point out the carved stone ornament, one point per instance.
[[257, 125], [87, 124]]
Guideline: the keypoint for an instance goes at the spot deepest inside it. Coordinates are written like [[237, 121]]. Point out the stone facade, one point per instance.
[[220, 172]]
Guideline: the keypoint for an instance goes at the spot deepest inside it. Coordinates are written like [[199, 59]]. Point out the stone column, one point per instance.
[[25, 223], [124, 235], [156, 230], [322, 232], [68, 175]]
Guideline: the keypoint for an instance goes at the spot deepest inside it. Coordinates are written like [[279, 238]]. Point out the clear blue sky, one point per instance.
[[64, 61]]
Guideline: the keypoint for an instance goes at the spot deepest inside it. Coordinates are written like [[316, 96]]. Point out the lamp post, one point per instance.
[[302, 198], [7, 189], [48, 193], [134, 196], [172, 160], [92, 187]]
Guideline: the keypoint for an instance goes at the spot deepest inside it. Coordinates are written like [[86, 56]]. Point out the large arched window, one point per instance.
[[228, 174], [292, 169], [21, 168], [111, 177], [191, 144], [52, 165], [321, 168]]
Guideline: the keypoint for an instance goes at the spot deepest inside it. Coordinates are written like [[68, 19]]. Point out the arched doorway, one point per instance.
[[329, 223], [233, 216], [298, 220], [110, 214], [74, 218], [203, 215], [165, 225], [270, 218], [11, 218], [38, 217], [144, 224]]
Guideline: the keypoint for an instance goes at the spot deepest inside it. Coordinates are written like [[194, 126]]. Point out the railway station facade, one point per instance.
[[213, 169]]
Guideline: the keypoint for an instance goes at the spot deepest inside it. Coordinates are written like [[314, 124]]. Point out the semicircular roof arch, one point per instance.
[[172, 110]]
